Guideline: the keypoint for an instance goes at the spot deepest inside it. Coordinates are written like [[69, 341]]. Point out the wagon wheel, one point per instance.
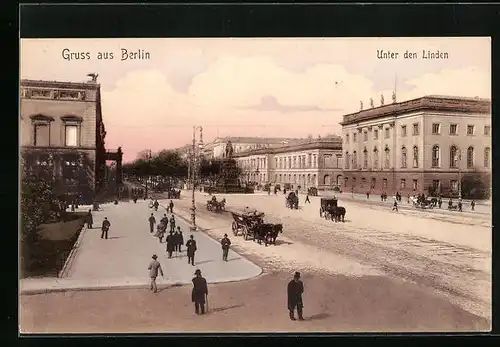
[[234, 226]]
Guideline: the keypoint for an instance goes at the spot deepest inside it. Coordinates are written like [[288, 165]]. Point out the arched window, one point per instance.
[[354, 160], [415, 156], [326, 180], [387, 161], [470, 157], [346, 165], [375, 158], [487, 157], [308, 178], [454, 156], [365, 159], [435, 156], [294, 178], [404, 157]]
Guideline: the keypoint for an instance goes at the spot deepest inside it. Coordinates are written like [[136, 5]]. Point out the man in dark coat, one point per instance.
[[295, 290], [152, 222], [156, 204], [179, 239], [472, 205], [170, 244], [172, 223], [164, 220], [171, 205], [200, 290], [105, 228], [90, 219], [191, 249], [225, 242]]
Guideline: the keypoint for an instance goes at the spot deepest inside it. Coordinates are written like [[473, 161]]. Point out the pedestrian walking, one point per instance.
[[179, 239], [172, 223], [199, 292], [307, 199], [472, 205], [191, 249], [170, 244], [152, 222], [225, 243], [171, 205], [295, 291], [90, 219], [395, 205], [156, 204], [154, 267], [440, 202], [105, 228], [164, 219], [460, 205]]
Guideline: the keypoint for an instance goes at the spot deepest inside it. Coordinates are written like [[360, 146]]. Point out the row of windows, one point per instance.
[[436, 184], [455, 157], [301, 161], [304, 179], [436, 130]]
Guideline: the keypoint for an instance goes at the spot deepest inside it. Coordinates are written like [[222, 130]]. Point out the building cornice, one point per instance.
[[426, 103], [321, 144], [59, 84]]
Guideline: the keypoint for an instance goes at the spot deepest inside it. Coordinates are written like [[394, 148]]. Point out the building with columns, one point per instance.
[[311, 163], [62, 136], [417, 146]]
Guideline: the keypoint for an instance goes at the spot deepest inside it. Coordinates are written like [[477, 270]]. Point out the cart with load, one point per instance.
[[326, 207], [245, 223]]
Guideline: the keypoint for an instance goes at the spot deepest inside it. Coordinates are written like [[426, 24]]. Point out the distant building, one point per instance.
[[305, 163], [416, 146], [62, 135]]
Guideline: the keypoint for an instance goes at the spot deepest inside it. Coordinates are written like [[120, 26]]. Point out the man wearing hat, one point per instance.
[[105, 228], [153, 268], [295, 290], [152, 222], [191, 249], [225, 242], [200, 290]]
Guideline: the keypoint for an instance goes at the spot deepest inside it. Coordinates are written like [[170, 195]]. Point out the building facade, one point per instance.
[[417, 146], [316, 163], [62, 135]]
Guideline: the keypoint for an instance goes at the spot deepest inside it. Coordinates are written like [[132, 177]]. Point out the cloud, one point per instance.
[[270, 103]]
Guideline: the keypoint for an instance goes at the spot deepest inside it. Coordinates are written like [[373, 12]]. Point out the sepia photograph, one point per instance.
[[239, 185]]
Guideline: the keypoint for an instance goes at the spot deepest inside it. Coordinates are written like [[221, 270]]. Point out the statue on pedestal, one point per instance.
[[371, 103], [361, 105], [229, 150], [382, 99], [393, 96]]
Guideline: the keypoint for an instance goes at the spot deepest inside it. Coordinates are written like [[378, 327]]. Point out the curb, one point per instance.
[[72, 253], [214, 240]]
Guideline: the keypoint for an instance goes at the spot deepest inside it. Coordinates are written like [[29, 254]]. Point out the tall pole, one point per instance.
[[193, 174], [459, 175]]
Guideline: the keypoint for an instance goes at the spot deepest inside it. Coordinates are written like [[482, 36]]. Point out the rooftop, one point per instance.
[[429, 102], [308, 144], [257, 139], [59, 84]]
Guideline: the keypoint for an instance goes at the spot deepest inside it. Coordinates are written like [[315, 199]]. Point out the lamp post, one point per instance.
[[458, 157], [194, 171]]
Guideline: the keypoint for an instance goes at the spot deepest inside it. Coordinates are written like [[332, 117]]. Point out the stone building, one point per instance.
[[311, 163], [417, 146], [62, 136]]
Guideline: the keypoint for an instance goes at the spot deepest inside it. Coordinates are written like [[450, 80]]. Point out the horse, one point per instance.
[[272, 235], [260, 232], [338, 213], [222, 204]]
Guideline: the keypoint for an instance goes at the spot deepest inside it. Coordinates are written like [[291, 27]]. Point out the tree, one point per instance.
[[475, 185]]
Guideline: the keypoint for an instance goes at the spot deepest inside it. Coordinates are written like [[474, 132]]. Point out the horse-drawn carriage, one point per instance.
[[424, 203], [312, 191], [292, 201], [329, 209], [251, 225], [216, 206]]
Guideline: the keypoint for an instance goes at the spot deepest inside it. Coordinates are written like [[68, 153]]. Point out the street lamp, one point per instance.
[[194, 171]]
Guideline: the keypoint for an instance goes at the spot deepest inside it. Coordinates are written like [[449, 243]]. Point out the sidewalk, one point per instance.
[[123, 259]]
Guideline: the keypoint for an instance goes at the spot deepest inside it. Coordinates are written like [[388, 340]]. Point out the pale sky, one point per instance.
[[284, 87]]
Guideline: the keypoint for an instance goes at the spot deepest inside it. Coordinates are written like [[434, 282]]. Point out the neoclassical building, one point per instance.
[[311, 163], [62, 135], [420, 145]]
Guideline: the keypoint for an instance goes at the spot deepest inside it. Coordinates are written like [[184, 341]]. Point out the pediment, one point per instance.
[[41, 117], [71, 118]]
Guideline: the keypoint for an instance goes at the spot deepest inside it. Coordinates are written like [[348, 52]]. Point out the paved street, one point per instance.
[[122, 260]]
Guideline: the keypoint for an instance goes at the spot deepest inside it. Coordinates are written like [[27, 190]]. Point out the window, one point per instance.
[[415, 156], [374, 182], [347, 138], [354, 181], [387, 161], [487, 130], [415, 184], [375, 134], [42, 135], [281, 163], [416, 129], [454, 185], [404, 157], [354, 137], [363, 182], [470, 129], [345, 181], [276, 162], [453, 129], [487, 157], [470, 157], [314, 160], [71, 135], [365, 159], [289, 162], [454, 156], [346, 165], [436, 129], [294, 161], [436, 185], [403, 183], [375, 158], [387, 133], [384, 182], [403, 131], [354, 160], [435, 156], [365, 136]]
